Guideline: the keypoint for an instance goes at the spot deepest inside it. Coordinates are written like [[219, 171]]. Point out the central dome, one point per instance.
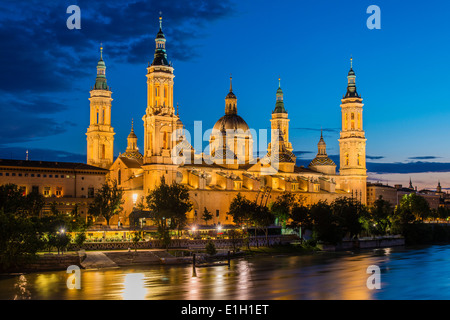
[[231, 122]]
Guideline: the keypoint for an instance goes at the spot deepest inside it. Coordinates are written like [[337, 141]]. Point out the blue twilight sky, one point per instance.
[[403, 74]]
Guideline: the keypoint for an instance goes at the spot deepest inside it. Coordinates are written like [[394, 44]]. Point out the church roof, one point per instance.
[[131, 162], [322, 161], [49, 165]]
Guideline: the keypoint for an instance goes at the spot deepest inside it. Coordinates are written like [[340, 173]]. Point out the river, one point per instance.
[[405, 273]]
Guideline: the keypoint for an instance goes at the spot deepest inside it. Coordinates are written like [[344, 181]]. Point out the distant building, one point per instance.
[[375, 190], [65, 183], [395, 194]]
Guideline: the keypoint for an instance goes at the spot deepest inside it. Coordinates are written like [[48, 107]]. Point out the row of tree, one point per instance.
[[24, 230]]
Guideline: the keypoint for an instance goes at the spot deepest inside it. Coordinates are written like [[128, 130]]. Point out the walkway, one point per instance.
[[97, 260]]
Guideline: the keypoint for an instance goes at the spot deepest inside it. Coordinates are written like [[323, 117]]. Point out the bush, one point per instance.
[[210, 248]]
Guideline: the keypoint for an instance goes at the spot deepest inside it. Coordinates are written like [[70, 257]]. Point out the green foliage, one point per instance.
[[240, 210], [210, 248], [80, 238], [378, 219], [19, 240], [168, 205], [348, 213], [107, 201], [282, 207], [206, 216]]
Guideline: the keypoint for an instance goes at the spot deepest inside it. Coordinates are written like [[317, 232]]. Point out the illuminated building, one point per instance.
[[216, 177]]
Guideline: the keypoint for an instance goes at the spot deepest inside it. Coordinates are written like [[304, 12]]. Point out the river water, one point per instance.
[[405, 273]]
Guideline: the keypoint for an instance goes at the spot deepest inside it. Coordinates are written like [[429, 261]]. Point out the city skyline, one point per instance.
[[401, 74]]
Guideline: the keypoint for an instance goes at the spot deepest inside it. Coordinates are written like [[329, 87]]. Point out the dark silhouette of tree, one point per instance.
[[168, 205], [107, 201]]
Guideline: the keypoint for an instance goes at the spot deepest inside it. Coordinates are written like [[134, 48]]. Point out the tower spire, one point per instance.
[[231, 100], [351, 88], [279, 105]]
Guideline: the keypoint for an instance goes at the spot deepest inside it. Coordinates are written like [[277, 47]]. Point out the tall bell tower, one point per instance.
[[352, 142], [100, 133], [160, 119]]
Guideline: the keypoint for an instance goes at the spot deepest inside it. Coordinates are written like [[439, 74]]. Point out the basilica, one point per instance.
[[215, 177]]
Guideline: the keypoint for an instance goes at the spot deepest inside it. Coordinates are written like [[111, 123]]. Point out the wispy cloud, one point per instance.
[[374, 157], [424, 158]]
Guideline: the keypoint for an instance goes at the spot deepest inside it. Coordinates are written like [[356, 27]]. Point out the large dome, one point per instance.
[[231, 122]]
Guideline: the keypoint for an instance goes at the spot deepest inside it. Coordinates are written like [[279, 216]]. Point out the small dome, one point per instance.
[[322, 161], [230, 95], [231, 122]]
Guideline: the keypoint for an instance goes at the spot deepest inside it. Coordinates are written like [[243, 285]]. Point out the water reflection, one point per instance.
[[422, 273]]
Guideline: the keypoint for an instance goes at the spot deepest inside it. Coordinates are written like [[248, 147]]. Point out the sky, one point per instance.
[[402, 73]]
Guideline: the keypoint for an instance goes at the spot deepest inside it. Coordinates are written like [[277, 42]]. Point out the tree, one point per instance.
[[19, 240], [262, 218], [240, 210], [168, 205], [301, 219], [378, 219], [210, 248], [206, 216], [107, 201], [34, 203], [325, 224], [348, 213], [417, 205], [282, 207], [11, 199]]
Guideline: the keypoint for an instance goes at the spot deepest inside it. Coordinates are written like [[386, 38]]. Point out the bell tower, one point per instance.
[[100, 133], [280, 120], [352, 142], [160, 119]]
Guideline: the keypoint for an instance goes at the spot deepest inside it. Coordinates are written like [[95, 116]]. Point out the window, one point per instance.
[[90, 192], [32, 175], [46, 191], [38, 175], [44, 176], [58, 191], [23, 190], [1, 174], [35, 189], [50, 176], [13, 174], [56, 176], [19, 174], [217, 213], [7, 174]]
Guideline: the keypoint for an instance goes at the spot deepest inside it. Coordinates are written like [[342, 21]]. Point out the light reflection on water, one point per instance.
[[422, 273]]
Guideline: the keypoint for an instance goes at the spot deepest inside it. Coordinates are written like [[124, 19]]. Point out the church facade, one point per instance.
[[216, 177]]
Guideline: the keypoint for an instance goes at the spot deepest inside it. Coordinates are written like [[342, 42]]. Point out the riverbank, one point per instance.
[[101, 259]]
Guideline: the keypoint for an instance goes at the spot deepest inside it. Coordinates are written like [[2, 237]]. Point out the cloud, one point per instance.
[[408, 167], [424, 158], [374, 157], [43, 55]]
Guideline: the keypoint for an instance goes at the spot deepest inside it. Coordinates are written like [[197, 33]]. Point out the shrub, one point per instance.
[[210, 248]]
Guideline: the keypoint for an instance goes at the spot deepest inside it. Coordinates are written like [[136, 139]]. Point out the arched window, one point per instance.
[[119, 177]]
